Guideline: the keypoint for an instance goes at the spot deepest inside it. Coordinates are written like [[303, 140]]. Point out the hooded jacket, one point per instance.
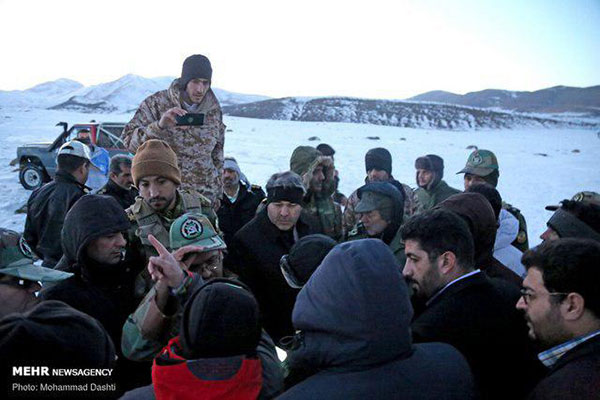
[[354, 341], [46, 211], [199, 149], [504, 251], [105, 292], [326, 212], [479, 215]]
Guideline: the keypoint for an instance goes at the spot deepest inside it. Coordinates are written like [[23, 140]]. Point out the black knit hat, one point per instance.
[[380, 159], [55, 334], [326, 149], [220, 320], [194, 67], [306, 255]]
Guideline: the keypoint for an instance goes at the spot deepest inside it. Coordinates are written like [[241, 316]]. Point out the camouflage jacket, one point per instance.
[[429, 198], [411, 205], [396, 244], [199, 149], [522, 240], [145, 220]]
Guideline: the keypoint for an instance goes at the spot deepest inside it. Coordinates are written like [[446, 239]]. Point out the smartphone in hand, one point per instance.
[[190, 119]]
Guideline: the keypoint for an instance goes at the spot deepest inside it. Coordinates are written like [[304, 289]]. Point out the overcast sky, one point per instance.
[[377, 49]]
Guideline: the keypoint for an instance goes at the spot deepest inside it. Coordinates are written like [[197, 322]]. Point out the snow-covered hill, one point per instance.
[[122, 95], [398, 113]]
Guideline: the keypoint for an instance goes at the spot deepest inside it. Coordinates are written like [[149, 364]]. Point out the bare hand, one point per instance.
[[168, 118], [164, 267], [187, 255]]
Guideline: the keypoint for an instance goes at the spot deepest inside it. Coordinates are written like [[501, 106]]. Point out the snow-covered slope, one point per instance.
[[538, 166], [397, 113], [122, 95]]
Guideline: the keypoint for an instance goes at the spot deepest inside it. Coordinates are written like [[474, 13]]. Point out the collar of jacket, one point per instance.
[[472, 280], [242, 192], [116, 188], [209, 102], [65, 177]]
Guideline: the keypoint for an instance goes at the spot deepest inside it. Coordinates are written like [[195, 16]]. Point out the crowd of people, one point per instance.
[[184, 278]]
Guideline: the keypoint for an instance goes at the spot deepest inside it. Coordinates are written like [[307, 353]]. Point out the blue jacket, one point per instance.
[[354, 316]]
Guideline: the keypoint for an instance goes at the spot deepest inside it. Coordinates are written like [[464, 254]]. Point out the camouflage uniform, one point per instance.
[[198, 148], [411, 205], [326, 213], [429, 198], [145, 220], [484, 163]]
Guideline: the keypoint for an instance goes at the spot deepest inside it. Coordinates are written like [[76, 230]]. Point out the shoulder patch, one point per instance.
[[521, 237]]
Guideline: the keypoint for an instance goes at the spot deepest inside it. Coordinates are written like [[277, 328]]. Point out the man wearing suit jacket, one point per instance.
[[463, 307]]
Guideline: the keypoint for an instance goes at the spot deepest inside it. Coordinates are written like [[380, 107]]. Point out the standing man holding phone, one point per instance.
[[188, 117]]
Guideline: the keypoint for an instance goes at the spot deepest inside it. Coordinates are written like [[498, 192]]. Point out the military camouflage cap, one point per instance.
[[585, 197], [480, 163], [16, 260], [370, 201], [194, 229]]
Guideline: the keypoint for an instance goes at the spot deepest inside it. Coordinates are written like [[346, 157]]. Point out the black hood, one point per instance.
[[90, 217], [354, 311]]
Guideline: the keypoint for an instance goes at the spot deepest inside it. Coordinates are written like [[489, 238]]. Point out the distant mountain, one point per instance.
[[558, 99], [394, 113], [122, 95]]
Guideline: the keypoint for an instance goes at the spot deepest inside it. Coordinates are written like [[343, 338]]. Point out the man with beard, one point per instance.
[[157, 176], [381, 209], [239, 202], [19, 277], [198, 147], [561, 302], [103, 282], [257, 248], [120, 183], [316, 171], [378, 164], [464, 307], [432, 188]]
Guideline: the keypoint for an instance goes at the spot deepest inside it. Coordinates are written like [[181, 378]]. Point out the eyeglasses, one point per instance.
[[19, 283], [528, 296]]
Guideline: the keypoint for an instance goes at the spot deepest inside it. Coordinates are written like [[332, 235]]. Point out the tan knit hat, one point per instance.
[[155, 157]]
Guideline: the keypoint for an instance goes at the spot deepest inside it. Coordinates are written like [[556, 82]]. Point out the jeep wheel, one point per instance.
[[31, 176]]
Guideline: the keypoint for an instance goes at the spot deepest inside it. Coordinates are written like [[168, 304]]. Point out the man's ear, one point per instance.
[[112, 175], [447, 262], [573, 307]]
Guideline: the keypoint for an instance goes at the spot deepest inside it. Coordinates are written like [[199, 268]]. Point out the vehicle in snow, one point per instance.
[[37, 161]]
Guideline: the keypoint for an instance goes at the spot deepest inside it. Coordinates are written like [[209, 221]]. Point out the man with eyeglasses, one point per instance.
[[561, 303], [19, 278]]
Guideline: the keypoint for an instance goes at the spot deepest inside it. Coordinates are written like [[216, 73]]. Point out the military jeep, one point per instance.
[[37, 161]]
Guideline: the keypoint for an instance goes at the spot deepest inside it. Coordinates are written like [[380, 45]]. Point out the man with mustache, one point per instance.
[[103, 281], [561, 303], [198, 147], [239, 202], [257, 248], [157, 176]]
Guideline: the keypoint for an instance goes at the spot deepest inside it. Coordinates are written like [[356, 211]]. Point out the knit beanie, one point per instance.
[[55, 334], [380, 159], [194, 67], [306, 255], [155, 157], [220, 319], [326, 149]]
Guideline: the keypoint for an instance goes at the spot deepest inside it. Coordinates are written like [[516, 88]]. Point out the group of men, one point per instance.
[[191, 275]]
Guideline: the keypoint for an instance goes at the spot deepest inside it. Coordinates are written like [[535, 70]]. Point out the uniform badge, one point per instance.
[[522, 237], [24, 247], [191, 228], [476, 160]]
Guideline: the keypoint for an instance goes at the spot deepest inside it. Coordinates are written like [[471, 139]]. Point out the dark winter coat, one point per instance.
[[431, 197], [354, 341], [46, 211], [479, 215], [575, 376], [125, 197], [232, 216], [477, 315], [254, 255], [105, 292]]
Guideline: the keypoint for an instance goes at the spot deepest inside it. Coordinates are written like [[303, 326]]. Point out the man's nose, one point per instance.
[[121, 242]]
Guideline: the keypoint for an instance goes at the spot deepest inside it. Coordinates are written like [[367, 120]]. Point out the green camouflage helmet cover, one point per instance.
[[16, 260], [480, 163], [194, 229]]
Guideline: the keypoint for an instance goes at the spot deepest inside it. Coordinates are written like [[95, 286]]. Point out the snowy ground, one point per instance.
[[528, 180]]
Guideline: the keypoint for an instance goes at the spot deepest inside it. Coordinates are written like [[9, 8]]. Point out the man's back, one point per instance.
[[46, 210], [477, 316]]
